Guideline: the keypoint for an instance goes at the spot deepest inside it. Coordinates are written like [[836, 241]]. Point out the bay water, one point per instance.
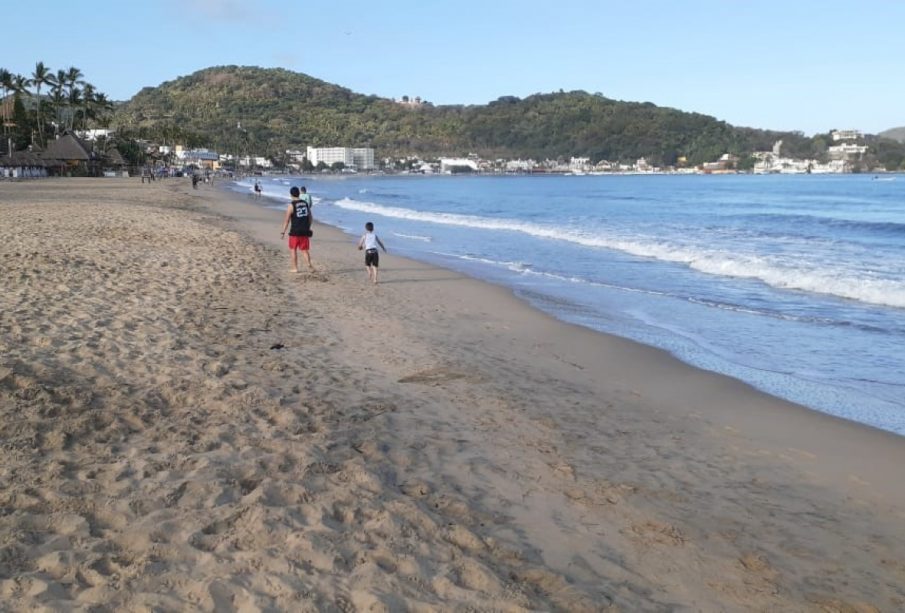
[[794, 284]]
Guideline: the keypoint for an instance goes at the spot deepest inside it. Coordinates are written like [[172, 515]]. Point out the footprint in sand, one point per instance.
[[433, 376]]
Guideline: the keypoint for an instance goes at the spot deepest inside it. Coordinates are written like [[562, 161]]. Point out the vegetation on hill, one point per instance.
[[247, 109], [896, 134]]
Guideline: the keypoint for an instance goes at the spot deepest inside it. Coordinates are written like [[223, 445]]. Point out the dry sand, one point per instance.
[[186, 425]]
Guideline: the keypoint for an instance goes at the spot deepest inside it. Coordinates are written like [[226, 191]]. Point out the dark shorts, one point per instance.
[[372, 258], [298, 242]]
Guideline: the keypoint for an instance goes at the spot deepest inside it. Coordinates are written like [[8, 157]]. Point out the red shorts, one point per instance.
[[298, 242]]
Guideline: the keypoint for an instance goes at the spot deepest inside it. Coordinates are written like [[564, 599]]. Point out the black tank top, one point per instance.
[[301, 218]]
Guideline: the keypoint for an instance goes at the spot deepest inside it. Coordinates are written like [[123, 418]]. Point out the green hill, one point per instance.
[[279, 109], [896, 134]]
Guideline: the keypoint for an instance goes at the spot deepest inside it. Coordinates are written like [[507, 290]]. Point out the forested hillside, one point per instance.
[[896, 134], [278, 109]]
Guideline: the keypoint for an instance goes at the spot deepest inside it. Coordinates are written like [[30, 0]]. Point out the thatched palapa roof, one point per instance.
[[114, 157], [22, 158], [68, 148]]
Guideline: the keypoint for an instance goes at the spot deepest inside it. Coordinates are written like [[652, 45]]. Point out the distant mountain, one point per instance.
[[278, 109], [897, 134]]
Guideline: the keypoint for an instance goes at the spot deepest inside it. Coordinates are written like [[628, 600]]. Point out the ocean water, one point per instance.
[[794, 284]]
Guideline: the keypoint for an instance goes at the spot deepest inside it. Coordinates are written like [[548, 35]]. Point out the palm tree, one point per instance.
[[13, 85], [73, 77], [6, 82], [40, 77], [104, 105], [60, 100], [88, 93], [75, 102], [21, 84]]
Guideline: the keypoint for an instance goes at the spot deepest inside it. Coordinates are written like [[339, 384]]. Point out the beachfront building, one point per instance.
[[453, 165], [579, 164], [255, 161], [330, 155], [296, 156], [359, 158], [22, 165], [68, 154], [766, 162], [363, 158], [604, 166], [202, 158], [520, 165], [642, 165], [831, 167]]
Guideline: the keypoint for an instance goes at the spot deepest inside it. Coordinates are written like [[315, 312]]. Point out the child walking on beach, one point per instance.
[[369, 242], [298, 214]]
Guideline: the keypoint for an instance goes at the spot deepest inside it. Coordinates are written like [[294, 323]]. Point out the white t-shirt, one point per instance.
[[370, 240]]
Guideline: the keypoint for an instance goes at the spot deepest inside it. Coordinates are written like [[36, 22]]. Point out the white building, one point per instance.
[[642, 165], [93, 135], [203, 158], [363, 158], [406, 101], [579, 164], [847, 135], [296, 155], [846, 151], [448, 165], [767, 163], [360, 158], [257, 161], [520, 165]]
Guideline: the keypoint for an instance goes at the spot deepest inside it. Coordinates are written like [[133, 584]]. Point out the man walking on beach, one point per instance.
[[298, 219], [369, 242]]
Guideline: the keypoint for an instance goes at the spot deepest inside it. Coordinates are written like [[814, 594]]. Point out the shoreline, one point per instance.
[[231, 434], [788, 389], [577, 333]]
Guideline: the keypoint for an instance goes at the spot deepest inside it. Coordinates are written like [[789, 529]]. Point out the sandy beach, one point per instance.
[[186, 425]]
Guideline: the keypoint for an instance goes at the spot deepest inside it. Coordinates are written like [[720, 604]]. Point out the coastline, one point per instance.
[[691, 292], [427, 442]]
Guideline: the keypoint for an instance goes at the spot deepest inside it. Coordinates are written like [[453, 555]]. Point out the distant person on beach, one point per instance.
[[306, 196], [298, 219], [369, 242], [194, 180], [257, 189]]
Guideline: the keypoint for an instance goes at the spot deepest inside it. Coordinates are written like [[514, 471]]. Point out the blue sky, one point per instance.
[[783, 65]]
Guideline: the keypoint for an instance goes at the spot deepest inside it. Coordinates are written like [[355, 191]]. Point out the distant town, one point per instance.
[[845, 156]]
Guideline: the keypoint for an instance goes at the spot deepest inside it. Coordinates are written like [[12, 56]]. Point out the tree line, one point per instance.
[[37, 108]]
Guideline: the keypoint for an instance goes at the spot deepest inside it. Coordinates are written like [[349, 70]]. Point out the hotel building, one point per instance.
[[359, 158]]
